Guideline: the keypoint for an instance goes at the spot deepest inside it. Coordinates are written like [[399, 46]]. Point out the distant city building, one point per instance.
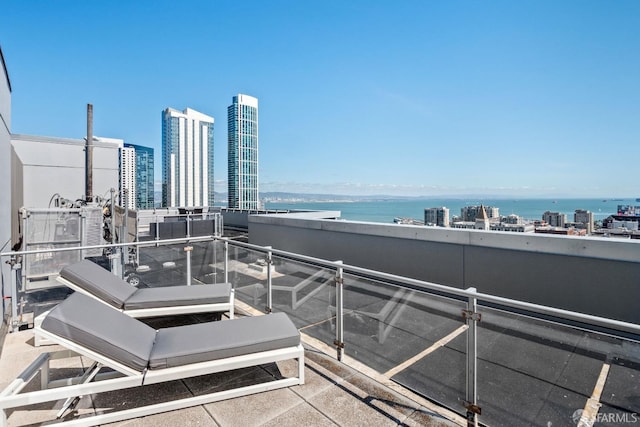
[[128, 177], [511, 219], [624, 223], [585, 217], [468, 225], [629, 224], [512, 223], [144, 159], [561, 231], [187, 158], [482, 220], [628, 210], [554, 219], [515, 228], [623, 233], [243, 152], [437, 216], [469, 213]]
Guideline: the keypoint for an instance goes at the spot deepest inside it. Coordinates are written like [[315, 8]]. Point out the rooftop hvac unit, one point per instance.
[[92, 232], [57, 228]]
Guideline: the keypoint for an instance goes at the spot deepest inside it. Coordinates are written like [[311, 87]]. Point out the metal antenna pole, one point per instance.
[[89, 156]]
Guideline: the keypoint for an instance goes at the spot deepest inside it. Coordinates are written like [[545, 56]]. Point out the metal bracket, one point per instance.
[[471, 315], [338, 344], [188, 248], [476, 409], [267, 310], [339, 281]]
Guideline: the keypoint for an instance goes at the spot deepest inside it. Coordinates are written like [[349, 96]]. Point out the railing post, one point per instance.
[[83, 229], [214, 242], [472, 317], [226, 262], [269, 289], [339, 342], [125, 222], [157, 228], [188, 250], [15, 267]]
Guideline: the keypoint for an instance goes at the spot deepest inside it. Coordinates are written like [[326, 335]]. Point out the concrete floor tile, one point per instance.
[[188, 417], [349, 406], [423, 417], [253, 410], [316, 378], [301, 415], [322, 360]]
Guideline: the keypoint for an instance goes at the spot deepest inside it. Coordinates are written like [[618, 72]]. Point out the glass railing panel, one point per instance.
[[248, 276], [208, 262], [39, 270], [307, 293], [620, 397], [535, 372], [409, 336], [40, 293], [164, 265]]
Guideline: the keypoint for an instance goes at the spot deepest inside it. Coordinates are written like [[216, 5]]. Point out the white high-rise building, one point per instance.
[[554, 219], [585, 217], [187, 158], [437, 216], [128, 177], [243, 152]]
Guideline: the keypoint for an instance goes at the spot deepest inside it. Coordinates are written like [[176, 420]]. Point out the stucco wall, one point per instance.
[[5, 179]]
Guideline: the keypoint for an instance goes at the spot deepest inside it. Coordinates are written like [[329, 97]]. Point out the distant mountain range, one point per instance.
[[286, 197]]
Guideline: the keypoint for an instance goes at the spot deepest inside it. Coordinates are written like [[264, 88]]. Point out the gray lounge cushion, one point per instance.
[[175, 296], [106, 331], [184, 345], [99, 282]]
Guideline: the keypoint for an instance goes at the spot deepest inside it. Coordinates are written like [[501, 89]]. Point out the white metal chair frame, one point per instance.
[[72, 388]]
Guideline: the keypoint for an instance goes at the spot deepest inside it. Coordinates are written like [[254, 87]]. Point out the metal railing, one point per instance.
[[257, 283]]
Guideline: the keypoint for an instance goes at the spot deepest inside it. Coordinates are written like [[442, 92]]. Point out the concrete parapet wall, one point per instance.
[[590, 275]]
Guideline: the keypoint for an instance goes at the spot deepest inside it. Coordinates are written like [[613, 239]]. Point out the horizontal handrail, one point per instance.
[[112, 245], [420, 285], [398, 281]]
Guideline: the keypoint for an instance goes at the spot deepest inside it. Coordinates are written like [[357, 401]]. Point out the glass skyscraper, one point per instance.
[[144, 189], [242, 121], [187, 158]]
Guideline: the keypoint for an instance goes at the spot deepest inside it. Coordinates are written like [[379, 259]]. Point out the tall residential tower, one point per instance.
[[144, 197], [187, 158], [243, 152], [128, 177]]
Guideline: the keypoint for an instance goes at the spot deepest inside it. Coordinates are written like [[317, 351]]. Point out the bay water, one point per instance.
[[385, 210]]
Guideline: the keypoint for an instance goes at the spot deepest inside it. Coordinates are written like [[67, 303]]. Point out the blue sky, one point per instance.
[[523, 98]]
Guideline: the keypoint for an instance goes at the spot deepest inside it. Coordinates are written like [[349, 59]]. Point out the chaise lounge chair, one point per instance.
[[141, 356], [90, 279]]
